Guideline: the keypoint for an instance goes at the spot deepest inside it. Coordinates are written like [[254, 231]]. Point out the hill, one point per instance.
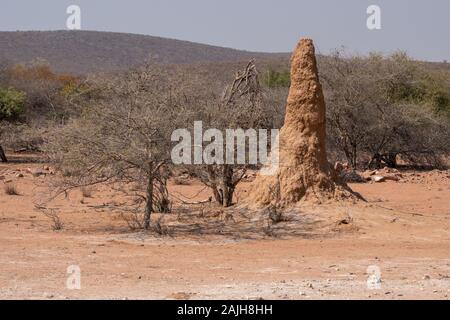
[[92, 51]]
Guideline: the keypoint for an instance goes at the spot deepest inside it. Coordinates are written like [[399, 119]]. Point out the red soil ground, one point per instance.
[[404, 230]]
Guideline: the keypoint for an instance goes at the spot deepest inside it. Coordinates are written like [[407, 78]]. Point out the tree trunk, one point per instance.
[[228, 188], [228, 197], [355, 158], [375, 162], [2, 155], [391, 160], [149, 203], [223, 190], [217, 194]]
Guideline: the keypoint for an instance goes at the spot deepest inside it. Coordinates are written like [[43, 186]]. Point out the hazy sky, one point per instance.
[[422, 28]]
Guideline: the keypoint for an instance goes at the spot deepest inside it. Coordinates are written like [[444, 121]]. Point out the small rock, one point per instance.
[[352, 176], [378, 178], [36, 172], [48, 295], [392, 178], [426, 277]]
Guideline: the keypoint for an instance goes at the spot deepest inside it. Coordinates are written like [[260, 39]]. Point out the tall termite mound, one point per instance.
[[303, 172]]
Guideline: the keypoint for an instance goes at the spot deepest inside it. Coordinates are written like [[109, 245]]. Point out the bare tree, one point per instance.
[[122, 137], [242, 105], [378, 106]]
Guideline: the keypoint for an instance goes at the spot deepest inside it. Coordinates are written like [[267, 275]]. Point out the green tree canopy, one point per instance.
[[12, 103]]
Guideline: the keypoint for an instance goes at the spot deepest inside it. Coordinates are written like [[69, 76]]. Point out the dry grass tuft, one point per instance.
[[11, 189], [87, 192]]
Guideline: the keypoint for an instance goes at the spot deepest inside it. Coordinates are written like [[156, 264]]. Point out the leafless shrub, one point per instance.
[[242, 105], [87, 192], [134, 220], [25, 136], [159, 226], [122, 138], [52, 214], [275, 215], [384, 107], [162, 203], [268, 230], [11, 189]]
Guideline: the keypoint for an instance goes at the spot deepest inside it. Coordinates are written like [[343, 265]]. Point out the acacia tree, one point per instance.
[[242, 105], [378, 106], [123, 136]]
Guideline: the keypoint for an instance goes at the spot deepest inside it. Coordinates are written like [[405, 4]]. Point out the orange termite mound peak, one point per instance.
[[303, 172]]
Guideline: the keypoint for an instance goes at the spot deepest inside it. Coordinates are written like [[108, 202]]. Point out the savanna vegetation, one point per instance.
[[116, 128]]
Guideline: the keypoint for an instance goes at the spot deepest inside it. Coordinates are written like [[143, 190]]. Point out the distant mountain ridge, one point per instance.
[[82, 52]]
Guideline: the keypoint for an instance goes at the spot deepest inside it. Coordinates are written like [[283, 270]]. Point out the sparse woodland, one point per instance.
[[382, 110], [115, 128]]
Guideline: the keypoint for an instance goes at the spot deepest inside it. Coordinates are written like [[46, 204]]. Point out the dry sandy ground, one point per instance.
[[403, 230]]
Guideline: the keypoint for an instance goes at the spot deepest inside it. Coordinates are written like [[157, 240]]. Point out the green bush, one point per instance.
[[420, 86], [12, 103], [384, 109], [277, 79]]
